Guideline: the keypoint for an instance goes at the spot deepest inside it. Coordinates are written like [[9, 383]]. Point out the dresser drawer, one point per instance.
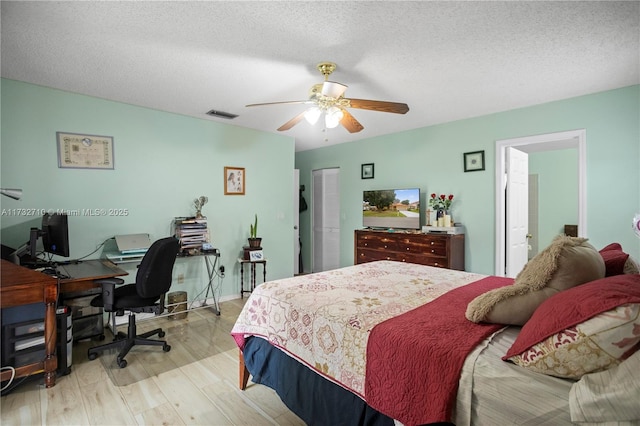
[[370, 255], [379, 242], [428, 246]]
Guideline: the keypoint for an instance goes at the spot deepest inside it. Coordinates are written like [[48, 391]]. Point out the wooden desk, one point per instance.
[[22, 286]]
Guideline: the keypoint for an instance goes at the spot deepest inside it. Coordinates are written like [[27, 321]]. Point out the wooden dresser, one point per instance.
[[442, 250]]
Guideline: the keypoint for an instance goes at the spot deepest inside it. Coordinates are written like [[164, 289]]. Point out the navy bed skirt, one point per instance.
[[313, 398]]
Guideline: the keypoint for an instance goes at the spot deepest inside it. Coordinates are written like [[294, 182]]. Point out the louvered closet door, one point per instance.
[[326, 219]]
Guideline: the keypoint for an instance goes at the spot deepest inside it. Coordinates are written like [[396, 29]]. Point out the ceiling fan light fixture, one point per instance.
[[332, 89], [312, 115], [332, 117]]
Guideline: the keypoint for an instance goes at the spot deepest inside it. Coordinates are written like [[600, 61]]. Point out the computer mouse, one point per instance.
[[49, 271]]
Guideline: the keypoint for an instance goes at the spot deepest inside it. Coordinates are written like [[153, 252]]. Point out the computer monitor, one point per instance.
[[55, 234]]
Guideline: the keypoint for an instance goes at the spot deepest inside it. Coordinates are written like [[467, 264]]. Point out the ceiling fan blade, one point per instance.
[[281, 103], [332, 89], [289, 124], [382, 106], [350, 123]]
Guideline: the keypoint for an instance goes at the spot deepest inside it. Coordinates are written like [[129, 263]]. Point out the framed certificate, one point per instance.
[[79, 151]]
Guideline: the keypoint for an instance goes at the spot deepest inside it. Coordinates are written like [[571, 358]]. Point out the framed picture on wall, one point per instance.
[[81, 151], [473, 161], [234, 181], [367, 171]]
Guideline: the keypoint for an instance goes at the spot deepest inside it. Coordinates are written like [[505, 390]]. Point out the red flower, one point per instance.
[[433, 195], [450, 197]]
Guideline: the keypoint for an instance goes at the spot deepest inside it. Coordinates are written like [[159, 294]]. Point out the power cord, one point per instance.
[[13, 376]]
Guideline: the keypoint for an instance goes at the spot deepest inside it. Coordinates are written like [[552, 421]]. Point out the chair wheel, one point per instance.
[[122, 363], [92, 356], [101, 337], [161, 334], [166, 347]]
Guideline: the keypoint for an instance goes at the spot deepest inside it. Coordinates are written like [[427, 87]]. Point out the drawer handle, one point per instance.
[[388, 258], [433, 251], [435, 264], [385, 246], [365, 244], [407, 248], [432, 242]]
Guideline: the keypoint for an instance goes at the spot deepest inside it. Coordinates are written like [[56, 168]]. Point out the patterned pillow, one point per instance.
[[585, 329]]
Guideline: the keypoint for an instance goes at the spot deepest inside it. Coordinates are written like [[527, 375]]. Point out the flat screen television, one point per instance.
[[391, 208]]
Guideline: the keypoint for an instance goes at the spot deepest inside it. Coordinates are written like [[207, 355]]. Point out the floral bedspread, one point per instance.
[[324, 319]]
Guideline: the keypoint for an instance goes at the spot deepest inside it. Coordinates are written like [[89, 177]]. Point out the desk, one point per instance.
[[22, 286], [83, 274], [243, 262], [121, 259]]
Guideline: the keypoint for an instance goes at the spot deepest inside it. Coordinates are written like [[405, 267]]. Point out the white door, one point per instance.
[[517, 211], [326, 219], [296, 222]]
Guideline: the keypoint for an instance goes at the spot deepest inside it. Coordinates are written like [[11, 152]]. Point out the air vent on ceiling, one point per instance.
[[221, 114]]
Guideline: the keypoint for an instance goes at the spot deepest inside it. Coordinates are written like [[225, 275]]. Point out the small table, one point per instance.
[[243, 262]]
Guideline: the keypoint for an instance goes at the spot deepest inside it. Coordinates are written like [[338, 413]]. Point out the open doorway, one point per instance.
[[529, 144]]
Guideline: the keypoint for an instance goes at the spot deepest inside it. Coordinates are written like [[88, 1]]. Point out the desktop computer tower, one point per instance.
[[64, 343]]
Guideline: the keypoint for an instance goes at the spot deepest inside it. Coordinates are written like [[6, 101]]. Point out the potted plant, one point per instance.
[[254, 240]]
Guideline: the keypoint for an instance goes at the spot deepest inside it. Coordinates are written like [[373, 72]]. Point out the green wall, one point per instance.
[[558, 191], [431, 158], [162, 163]]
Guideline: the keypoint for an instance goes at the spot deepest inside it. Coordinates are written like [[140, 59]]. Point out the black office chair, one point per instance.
[[153, 280]]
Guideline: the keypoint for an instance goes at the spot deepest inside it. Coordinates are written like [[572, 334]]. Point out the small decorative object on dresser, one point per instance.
[[441, 250]]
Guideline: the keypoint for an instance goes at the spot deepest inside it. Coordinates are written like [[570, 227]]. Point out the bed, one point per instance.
[[386, 343]]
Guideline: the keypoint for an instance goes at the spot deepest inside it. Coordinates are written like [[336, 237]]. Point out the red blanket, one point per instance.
[[414, 360]]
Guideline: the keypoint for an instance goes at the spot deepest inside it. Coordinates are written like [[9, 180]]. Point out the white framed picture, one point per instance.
[[256, 255]]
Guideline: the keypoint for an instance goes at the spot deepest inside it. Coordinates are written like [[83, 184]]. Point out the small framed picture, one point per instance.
[[234, 181], [473, 161], [367, 171], [256, 256]]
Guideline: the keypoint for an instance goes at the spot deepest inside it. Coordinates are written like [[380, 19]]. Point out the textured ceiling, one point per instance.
[[446, 60]]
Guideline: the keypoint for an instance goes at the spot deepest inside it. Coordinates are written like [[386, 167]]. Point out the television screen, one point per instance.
[[391, 208]]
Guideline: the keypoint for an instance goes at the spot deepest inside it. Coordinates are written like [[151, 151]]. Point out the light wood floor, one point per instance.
[[203, 391]]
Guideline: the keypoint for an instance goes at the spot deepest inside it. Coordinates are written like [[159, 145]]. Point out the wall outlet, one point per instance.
[[180, 278]]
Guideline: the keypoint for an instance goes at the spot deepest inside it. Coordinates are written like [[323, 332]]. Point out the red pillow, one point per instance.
[[576, 305], [614, 259]]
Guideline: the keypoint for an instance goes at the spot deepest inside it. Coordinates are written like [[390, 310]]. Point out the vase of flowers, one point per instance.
[[442, 205]]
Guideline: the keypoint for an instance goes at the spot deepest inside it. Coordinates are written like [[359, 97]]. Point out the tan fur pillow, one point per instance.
[[565, 263]]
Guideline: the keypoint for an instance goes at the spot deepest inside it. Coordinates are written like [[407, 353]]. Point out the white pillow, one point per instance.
[[610, 395]]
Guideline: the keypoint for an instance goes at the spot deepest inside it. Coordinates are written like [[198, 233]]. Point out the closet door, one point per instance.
[[326, 219]]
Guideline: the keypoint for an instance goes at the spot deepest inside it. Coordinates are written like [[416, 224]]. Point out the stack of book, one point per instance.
[[191, 232]]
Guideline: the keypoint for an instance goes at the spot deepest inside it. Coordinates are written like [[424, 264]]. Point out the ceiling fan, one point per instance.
[[328, 98]]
